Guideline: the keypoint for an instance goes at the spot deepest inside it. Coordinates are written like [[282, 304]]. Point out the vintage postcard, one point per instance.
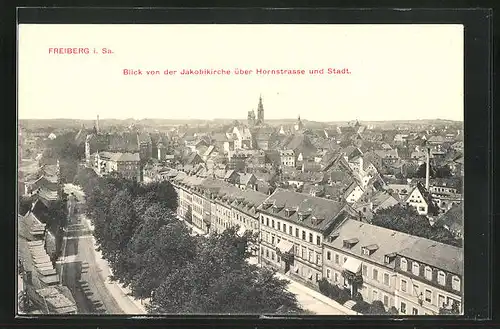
[[240, 169]]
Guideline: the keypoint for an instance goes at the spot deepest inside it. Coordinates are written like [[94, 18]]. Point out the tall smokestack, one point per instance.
[[427, 167]]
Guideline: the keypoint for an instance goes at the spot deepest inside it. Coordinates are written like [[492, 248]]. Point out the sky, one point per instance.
[[398, 72]]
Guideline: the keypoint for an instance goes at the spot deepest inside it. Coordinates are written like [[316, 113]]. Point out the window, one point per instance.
[[364, 268], [318, 240], [328, 255], [386, 301], [336, 277], [310, 238], [440, 300], [455, 283], [272, 255], [403, 308], [415, 269], [328, 273], [441, 278], [272, 240], [428, 273], [279, 226], [318, 259], [428, 296], [345, 260], [403, 285], [375, 295], [272, 223], [311, 256], [404, 264], [375, 274], [336, 258], [303, 253], [284, 227], [304, 235], [297, 232], [416, 290], [267, 221], [386, 279], [290, 230], [267, 253], [414, 311]]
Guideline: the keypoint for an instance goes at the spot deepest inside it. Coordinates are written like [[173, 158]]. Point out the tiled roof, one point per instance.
[[453, 218], [385, 154], [124, 142], [302, 203], [120, 157], [433, 253], [248, 201], [245, 178], [439, 255]]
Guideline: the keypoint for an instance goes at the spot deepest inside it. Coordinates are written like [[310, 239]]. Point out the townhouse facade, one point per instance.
[[292, 229], [309, 238], [414, 275]]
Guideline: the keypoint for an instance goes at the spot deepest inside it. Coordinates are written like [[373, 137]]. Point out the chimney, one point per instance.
[[427, 167]]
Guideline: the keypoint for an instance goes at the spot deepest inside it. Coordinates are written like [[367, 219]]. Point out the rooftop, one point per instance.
[[439, 255], [282, 200]]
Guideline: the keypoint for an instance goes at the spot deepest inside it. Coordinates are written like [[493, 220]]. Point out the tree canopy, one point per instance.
[[404, 218], [154, 254]]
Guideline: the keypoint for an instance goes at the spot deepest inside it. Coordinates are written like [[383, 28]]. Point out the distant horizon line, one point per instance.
[[233, 119]]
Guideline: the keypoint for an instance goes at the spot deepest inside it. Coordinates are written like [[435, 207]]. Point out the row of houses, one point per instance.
[[310, 238]]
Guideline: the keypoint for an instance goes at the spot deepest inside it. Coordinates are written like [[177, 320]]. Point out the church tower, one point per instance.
[[260, 112]]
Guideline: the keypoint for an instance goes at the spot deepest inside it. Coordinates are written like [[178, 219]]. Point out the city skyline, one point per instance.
[[398, 72]]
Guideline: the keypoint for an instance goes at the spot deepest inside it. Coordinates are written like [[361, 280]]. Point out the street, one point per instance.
[[86, 274], [96, 294]]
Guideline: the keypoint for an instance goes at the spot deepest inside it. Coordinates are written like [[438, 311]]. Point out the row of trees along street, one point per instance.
[[153, 253]]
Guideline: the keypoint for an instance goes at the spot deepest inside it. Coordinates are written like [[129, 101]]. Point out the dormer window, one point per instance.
[[389, 258], [350, 243], [403, 264], [289, 212], [317, 219], [332, 237], [441, 278], [304, 214], [455, 283], [368, 250], [415, 269]]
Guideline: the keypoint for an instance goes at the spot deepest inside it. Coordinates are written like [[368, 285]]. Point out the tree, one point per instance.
[[404, 218], [421, 171], [160, 244], [443, 172], [377, 307], [121, 221], [161, 192], [219, 280]]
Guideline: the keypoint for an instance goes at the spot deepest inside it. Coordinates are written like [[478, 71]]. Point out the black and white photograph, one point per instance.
[[218, 169]]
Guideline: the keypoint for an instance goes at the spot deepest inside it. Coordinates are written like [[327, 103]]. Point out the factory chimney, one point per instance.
[[427, 166]]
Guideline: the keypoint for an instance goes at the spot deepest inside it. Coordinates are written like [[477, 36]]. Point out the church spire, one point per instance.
[[260, 111]]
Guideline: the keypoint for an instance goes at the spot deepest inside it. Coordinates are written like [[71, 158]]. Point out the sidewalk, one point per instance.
[[191, 226], [310, 299], [128, 304]]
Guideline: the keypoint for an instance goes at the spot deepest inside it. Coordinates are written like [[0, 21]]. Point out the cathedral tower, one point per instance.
[[260, 111]]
